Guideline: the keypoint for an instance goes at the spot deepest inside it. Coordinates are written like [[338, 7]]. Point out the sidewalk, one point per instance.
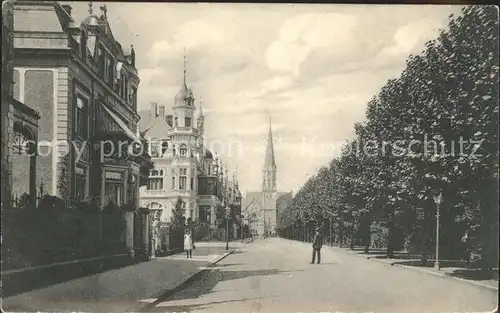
[[121, 290], [449, 268]]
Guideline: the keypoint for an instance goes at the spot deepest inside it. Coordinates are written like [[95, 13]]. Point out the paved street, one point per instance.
[[119, 290], [274, 275]]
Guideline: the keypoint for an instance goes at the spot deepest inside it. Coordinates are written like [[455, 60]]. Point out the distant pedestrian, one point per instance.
[[317, 244], [188, 244]]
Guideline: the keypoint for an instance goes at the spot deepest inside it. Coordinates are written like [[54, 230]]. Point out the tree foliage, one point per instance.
[[177, 219], [431, 130]]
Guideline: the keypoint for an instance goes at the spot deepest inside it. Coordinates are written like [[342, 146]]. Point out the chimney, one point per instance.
[[67, 8], [154, 112], [161, 111]]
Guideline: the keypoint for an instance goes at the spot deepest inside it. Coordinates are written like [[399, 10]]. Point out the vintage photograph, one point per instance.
[[249, 157]]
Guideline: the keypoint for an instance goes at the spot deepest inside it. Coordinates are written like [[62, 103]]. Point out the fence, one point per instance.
[[50, 234]]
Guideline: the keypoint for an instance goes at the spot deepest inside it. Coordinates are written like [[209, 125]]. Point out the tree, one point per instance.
[[63, 178], [177, 219]]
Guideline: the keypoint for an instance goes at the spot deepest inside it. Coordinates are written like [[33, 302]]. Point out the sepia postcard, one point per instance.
[[249, 157]]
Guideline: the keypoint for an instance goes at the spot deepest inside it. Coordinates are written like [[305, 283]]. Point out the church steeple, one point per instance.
[[269, 170]]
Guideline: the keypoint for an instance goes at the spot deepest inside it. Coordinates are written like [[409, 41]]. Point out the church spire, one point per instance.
[[269, 170], [269, 161], [185, 65]]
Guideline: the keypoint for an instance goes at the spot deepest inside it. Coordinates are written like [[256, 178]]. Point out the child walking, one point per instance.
[[188, 244]]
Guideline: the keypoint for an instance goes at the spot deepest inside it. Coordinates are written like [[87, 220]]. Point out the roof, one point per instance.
[[208, 154], [36, 20], [155, 127], [269, 161]]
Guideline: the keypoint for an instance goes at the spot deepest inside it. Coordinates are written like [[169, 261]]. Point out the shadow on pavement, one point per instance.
[[238, 252], [430, 263], [474, 274], [208, 280], [191, 307], [227, 265]]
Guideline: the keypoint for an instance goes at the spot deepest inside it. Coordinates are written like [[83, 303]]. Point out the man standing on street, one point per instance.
[[317, 244]]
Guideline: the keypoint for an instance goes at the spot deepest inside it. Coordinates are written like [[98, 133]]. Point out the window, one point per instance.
[[80, 183], [173, 150], [182, 178], [192, 183], [164, 147], [101, 61], [173, 182], [176, 121], [209, 168], [155, 181], [111, 71], [155, 149], [187, 121], [183, 150], [155, 184], [81, 116], [134, 97], [114, 192]]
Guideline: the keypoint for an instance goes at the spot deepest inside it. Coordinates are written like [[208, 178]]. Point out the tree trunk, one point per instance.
[[341, 235], [390, 237], [427, 224]]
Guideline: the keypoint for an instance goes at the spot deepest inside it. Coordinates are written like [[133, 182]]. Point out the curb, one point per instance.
[[170, 291], [429, 272]]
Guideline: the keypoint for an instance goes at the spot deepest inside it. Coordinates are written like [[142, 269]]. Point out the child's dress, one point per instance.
[[188, 243]]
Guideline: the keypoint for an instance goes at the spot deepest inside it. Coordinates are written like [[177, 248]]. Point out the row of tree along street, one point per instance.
[[447, 93]]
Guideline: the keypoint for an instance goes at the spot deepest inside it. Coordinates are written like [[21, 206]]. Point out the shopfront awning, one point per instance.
[[110, 123]]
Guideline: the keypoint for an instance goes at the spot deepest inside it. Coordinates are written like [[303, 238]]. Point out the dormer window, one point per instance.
[[101, 57], [164, 147]]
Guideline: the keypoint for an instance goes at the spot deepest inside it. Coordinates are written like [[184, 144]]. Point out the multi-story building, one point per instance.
[[84, 84], [262, 208], [183, 167], [18, 122]]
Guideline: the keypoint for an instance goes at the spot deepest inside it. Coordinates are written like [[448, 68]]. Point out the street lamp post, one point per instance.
[[438, 200], [241, 227], [227, 227]]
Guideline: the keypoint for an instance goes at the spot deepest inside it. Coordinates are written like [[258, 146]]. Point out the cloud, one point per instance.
[[410, 37], [198, 33], [301, 34], [312, 68]]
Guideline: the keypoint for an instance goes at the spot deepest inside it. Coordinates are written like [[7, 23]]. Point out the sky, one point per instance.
[[312, 68]]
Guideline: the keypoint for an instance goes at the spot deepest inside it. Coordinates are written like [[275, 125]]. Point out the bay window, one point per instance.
[[182, 178], [81, 116]]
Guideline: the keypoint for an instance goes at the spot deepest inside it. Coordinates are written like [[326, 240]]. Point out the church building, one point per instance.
[[263, 207]]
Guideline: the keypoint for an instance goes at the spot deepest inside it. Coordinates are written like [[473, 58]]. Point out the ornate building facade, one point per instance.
[[262, 208], [84, 83], [183, 167]]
